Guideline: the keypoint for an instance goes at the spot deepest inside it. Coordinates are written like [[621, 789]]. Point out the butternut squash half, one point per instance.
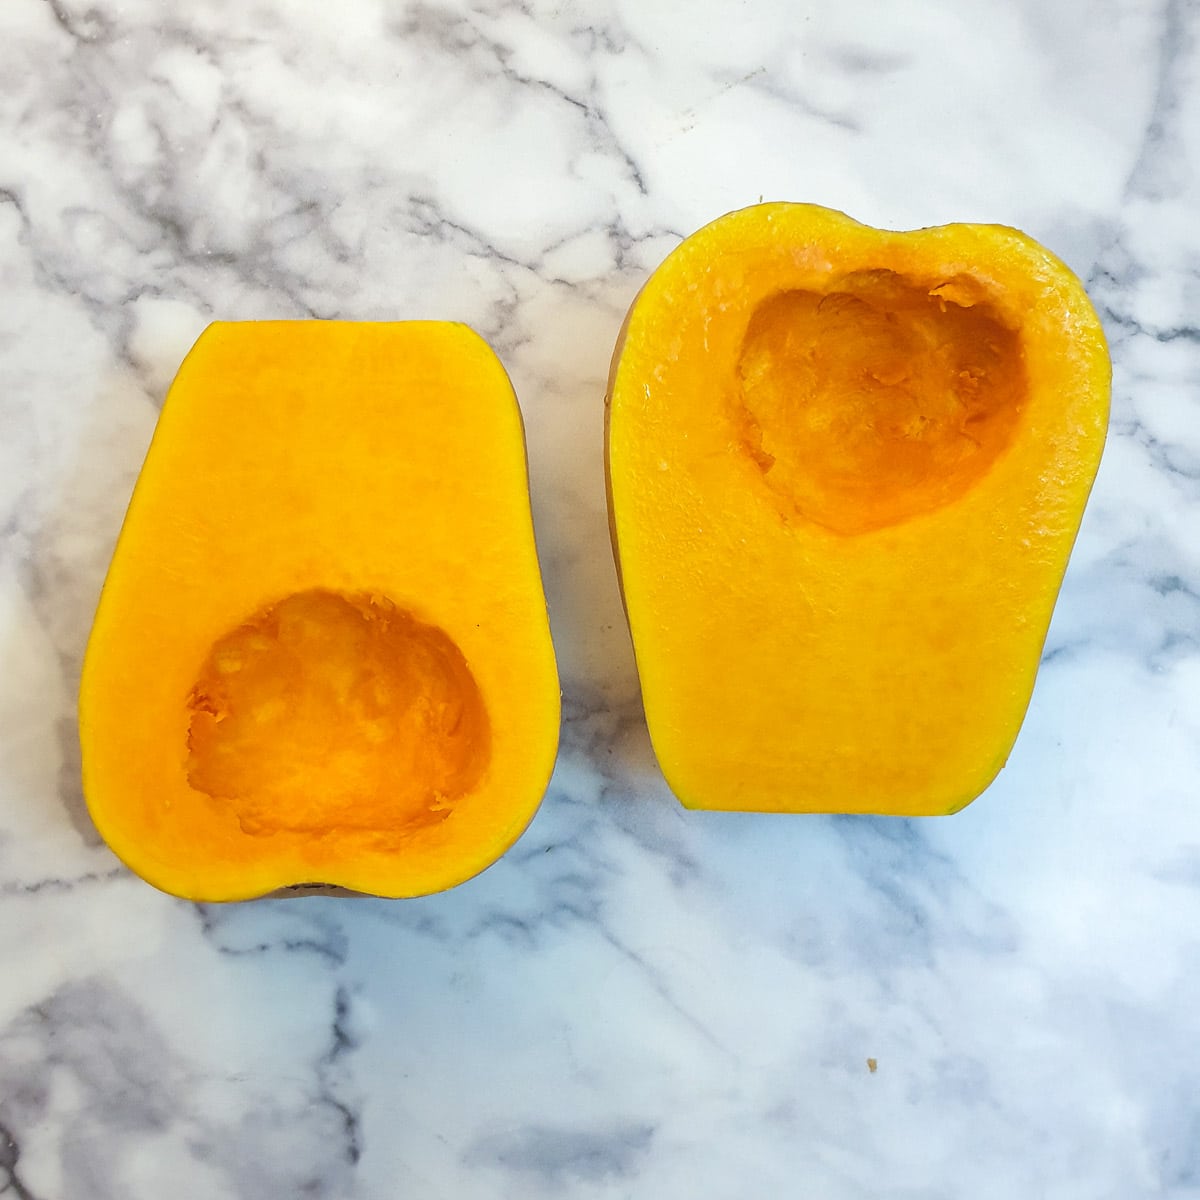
[[322, 653], [846, 468]]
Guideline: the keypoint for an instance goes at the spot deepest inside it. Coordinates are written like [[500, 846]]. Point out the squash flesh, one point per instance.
[[875, 400], [862, 632], [326, 712], [378, 466]]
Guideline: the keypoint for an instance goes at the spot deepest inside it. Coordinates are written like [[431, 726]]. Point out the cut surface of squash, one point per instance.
[[326, 711], [846, 467], [322, 651]]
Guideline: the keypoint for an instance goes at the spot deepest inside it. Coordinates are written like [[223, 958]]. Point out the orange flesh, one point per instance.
[[327, 712], [845, 470], [876, 400], [322, 651]]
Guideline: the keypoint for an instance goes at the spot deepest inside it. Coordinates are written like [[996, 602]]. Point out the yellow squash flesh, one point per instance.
[[846, 467], [322, 653]]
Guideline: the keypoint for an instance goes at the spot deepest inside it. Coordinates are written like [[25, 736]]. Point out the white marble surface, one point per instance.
[[636, 1002]]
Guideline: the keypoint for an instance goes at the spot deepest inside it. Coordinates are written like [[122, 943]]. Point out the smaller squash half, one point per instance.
[[322, 653], [846, 467]]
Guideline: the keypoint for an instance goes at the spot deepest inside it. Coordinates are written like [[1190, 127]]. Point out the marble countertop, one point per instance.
[[636, 1001]]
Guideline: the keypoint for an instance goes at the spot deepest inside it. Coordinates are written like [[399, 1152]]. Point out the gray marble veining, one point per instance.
[[636, 1001]]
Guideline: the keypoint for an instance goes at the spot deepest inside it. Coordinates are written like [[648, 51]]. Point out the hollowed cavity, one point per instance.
[[328, 711], [881, 400]]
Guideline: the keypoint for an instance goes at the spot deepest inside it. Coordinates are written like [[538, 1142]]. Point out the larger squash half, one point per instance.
[[322, 654], [846, 468]]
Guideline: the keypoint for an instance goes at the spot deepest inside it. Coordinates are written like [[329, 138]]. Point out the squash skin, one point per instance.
[[379, 462], [788, 666]]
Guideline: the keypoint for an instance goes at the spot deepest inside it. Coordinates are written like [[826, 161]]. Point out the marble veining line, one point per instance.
[[282, 926], [333, 1075], [792, 99], [153, 194], [928, 903], [623, 243], [92, 26], [576, 896], [1161, 152], [556, 1155], [89, 1044], [257, 263], [592, 730], [457, 34], [658, 984], [10, 1154], [10, 887], [1139, 295]]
